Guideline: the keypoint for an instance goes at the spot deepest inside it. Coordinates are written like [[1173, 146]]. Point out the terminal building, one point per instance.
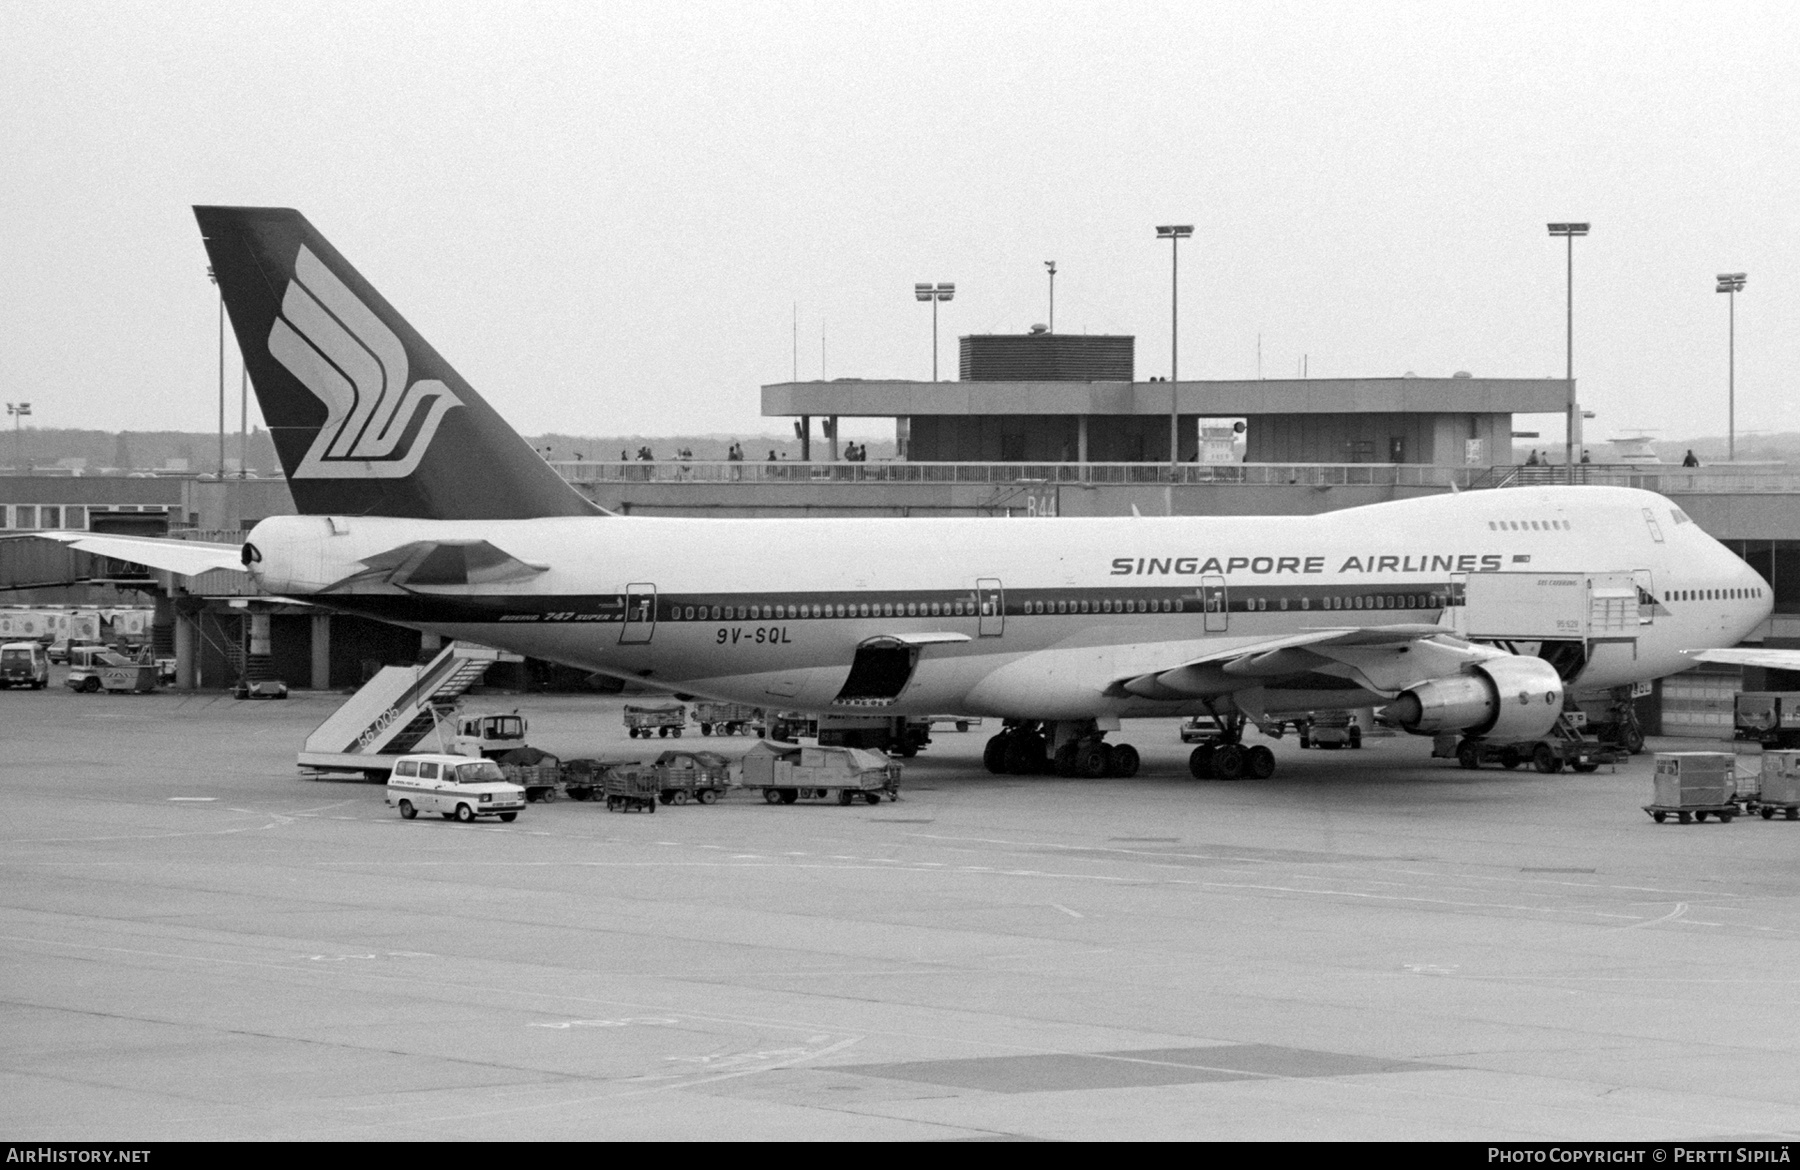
[[1039, 425]]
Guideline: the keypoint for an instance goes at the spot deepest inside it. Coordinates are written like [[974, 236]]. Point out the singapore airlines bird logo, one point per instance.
[[376, 423]]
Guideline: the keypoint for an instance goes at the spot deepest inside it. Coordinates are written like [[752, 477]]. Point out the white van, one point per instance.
[[24, 664], [454, 787]]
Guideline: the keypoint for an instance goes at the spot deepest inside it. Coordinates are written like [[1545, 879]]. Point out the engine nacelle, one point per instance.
[[1513, 697]]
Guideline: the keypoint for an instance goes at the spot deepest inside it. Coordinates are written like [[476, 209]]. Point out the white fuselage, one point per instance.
[[1032, 618]]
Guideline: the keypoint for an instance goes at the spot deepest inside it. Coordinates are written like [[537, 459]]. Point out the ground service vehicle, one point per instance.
[[24, 664], [726, 718], [660, 721], [87, 664], [1771, 718], [455, 787], [488, 736], [819, 773], [1330, 729], [1060, 629]]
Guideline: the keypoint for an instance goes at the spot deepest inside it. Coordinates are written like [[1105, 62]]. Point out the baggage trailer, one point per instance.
[[1780, 786], [538, 780], [1565, 747], [682, 776], [655, 721], [630, 788], [581, 778], [726, 718], [787, 774], [1693, 786]]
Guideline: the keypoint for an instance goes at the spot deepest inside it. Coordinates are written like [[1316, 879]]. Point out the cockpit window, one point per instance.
[[1680, 516]]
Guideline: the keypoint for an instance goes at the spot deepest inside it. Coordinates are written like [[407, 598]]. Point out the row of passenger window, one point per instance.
[[1528, 525], [969, 607], [1740, 594], [961, 607]]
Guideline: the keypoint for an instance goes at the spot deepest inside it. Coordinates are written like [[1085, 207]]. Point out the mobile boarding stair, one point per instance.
[[393, 712]]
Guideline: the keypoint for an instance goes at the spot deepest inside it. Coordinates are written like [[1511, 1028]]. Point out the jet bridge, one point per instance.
[[393, 712], [1570, 620]]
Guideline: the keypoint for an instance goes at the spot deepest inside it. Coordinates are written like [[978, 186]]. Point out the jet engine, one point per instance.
[[1510, 697]]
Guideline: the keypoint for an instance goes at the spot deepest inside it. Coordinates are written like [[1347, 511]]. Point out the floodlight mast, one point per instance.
[[1731, 283], [941, 292], [1174, 233], [1569, 231]]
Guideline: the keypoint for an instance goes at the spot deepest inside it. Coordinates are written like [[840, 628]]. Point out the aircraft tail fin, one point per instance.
[[367, 418]]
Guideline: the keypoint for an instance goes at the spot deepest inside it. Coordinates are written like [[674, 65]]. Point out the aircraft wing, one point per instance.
[[187, 557], [1341, 651], [425, 564], [1749, 656]]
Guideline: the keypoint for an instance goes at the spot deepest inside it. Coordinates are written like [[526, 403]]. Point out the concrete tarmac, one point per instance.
[[198, 943]]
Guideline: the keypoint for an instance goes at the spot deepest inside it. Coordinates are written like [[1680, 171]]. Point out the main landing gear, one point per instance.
[[1027, 748], [1224, 756]]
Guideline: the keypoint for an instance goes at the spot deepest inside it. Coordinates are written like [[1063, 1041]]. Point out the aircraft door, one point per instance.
[[640, 614], [990, 604], [1647, 601], [1216, 603]]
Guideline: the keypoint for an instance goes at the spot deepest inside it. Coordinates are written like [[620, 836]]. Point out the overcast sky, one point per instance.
[[604, 214]]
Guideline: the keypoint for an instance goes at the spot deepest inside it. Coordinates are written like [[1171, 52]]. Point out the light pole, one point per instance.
[[1174, 233], [1569, 231], [1731, 283], [1051, 265], [214, 277], [20, 411], [925, 292]]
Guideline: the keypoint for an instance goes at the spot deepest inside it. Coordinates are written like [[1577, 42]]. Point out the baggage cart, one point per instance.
[[1691, 786], [538, 780], [786, 775], [629, 788], [581, 778], [655, 721], [726, 718], [682, 776], [1780, 792]]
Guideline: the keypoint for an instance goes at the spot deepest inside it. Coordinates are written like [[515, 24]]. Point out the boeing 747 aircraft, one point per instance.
[[420, 506]]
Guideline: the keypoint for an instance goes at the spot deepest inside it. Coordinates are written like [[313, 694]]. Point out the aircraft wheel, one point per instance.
[[1544, 760], [1634, 739], [1200, 762], [1468, 754], [1228, 761], [993, 756], [1091, 760], [1024, 754], [1259, 762], [409, 812], [1123, 761]]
